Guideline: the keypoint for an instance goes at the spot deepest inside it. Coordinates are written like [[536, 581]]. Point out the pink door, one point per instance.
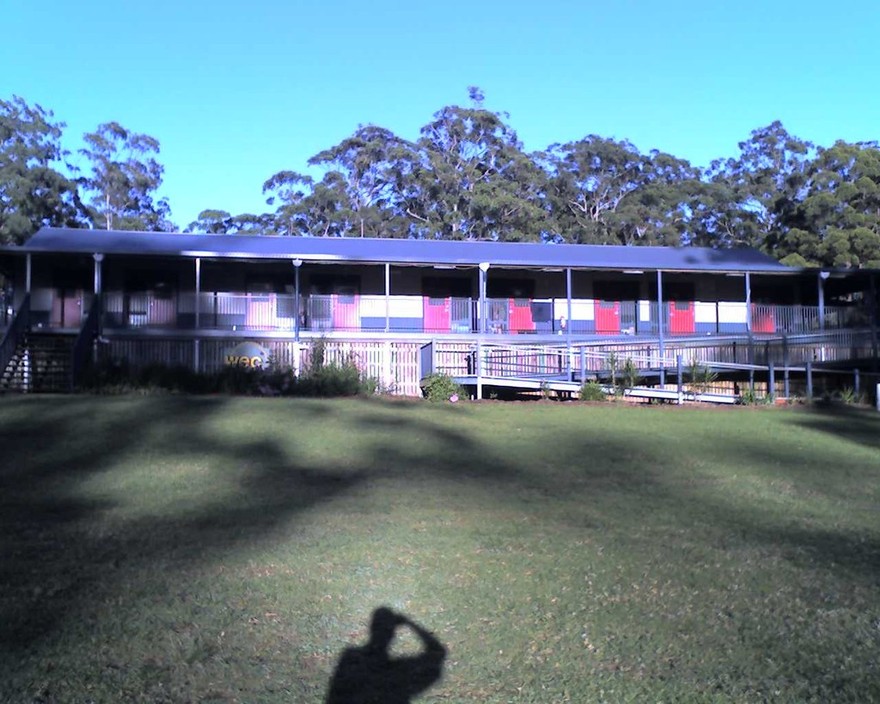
[[346, 309], [437, 315], [607, 317], [521, 315], [260, 313], [681, 317]]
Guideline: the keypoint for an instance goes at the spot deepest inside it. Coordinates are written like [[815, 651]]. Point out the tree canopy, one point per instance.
[[467, 176], [34, 191]]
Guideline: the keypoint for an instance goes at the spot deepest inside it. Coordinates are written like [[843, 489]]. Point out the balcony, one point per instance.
[[338, 313]]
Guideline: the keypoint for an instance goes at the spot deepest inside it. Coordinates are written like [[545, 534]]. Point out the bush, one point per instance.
[[441, 387], [325, 380], [334, 380], [592, 391]]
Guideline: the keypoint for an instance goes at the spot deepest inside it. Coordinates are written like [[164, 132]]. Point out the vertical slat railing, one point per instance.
[[21, 322]]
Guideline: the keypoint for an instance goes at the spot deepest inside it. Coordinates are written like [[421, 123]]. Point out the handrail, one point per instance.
[[19, 327], [81, 355], [785, 352]]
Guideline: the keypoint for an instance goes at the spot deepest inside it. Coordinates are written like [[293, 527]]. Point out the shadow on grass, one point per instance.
[[62, 554], [371, 673], [858, 425]]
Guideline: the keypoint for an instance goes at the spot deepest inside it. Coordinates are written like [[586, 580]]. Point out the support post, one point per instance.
[[297, 265], [28, 269], [771, 381], [387, 296], [660, 331], [99, 258], [822, 276], [785, 364], [857, 382], [751, 351], [484, 269], [679, 368], [809, 381], [479, 370], [568, 302], [197, 361], [198, 291], [96, 301]]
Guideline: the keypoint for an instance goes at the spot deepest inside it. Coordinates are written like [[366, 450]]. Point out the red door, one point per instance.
[[436, 312], [346, 309], [607, 317], [681, 317], [763, 318], [521, 315]]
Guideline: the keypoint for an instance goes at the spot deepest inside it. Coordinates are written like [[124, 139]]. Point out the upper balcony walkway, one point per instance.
[[283, 315]]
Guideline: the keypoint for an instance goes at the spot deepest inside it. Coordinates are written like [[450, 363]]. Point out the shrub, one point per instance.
[[849, 396], [592, 391], [441, 387], [334, 380], [629, 375], [702, 377]]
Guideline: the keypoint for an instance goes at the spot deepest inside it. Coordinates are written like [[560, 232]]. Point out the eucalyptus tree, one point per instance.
[[359, 171], [838, 220], [212, 222], [124, 176], [759, 191], [468, 178], [306, 207], [34, 191], [602, 191]]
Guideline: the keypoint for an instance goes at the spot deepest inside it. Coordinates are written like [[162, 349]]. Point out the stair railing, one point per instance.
[[82, 355], [21, 322]]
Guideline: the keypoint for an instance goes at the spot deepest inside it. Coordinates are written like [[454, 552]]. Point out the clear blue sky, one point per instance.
[[236, 91]]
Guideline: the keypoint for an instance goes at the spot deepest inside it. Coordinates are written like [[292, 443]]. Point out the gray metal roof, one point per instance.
[[403, 251]]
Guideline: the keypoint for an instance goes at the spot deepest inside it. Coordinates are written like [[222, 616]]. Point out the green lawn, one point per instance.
[[168, 549]]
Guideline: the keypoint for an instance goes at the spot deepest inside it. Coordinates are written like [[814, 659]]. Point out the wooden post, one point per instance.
[[479, 369], [771, 381], [297, 265], [785, 364], [809, 381], [387, 296], [660, 339], [680, 372]]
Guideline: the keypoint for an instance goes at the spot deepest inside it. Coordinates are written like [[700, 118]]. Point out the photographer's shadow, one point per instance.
[[369, 674]]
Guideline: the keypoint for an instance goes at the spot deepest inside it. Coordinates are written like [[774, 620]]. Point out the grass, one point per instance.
[[173, 549]]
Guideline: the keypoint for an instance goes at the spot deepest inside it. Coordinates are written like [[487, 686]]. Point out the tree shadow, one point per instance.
[[63, 553], [61, 557], [372, 674], [858, 425]]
